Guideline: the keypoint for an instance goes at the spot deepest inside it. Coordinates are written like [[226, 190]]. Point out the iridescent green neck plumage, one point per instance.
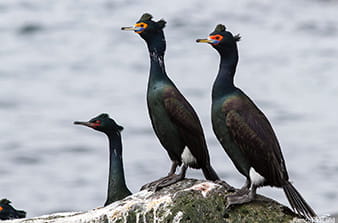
[[156, 43], [156, 46], [224, 83], [117, 188]]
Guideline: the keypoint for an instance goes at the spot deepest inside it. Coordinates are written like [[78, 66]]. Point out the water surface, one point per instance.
[[68, 60]]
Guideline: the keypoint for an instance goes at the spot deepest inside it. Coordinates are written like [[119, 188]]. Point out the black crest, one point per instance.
[[237, 37], [220, 28], [5, 201], [120, 128], [103, 115], [146, 17], [161, 23]]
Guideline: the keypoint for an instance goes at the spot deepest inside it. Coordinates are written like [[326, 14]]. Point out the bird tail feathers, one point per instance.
[[209, 173], [297, 202]]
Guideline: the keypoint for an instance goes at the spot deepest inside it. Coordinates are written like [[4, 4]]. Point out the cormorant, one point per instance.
[[8, 212], [174, 120], [117, 188], [244, 132]]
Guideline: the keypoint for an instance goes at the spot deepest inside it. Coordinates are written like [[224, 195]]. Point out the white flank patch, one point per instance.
[[205, 187], [255, 177], [187, 157]]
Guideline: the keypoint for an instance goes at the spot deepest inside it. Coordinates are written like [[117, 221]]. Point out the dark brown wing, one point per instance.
[[187, 121], [253, 134]]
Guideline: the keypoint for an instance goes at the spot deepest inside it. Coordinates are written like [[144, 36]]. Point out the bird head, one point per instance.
[[147, 27], [8, 212], [221, 39], [102, 123]]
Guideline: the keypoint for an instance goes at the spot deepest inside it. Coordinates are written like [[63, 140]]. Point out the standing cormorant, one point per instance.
[[244, 132], [117, 188], [174, 120], [8, 212]]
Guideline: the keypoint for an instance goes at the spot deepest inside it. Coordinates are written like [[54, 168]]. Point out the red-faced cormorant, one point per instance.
[[8, 212], [174, 120], [117, 188], [244, 132]]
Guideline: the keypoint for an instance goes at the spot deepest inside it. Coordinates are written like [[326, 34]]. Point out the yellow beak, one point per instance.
[[205, 41], [129, 28]]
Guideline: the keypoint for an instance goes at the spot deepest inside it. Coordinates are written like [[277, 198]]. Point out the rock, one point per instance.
[[188, 201]]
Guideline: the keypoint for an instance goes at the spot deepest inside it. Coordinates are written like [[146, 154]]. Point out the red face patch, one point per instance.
[[96, 123], [217, 38]]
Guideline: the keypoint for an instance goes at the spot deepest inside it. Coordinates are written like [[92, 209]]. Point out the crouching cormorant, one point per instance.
[[8, 212], [174, 120], [245, 133], [117, 188]]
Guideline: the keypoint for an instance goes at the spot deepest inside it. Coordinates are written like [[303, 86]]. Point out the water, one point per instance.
[[68, 60]]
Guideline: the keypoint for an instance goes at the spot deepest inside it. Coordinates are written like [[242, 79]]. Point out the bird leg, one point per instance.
[[162, 179], [245, 188], [173, 168], [172, 179], [227, 186], [239, 198]]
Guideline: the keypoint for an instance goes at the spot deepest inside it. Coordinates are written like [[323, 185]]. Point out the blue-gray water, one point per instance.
[[63, 60]]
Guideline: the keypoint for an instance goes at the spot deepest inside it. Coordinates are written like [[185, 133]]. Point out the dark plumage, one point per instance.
[[117, 188], [174, 120], [244, 132], [8, 212]]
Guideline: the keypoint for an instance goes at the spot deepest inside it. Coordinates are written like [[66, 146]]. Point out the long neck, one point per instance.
[[156, 47], [117, 188], [224, 82]]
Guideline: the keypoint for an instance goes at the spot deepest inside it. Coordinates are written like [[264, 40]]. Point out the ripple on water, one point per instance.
[[283, 116], [327, 29], [24, 159], [64, 59], [77, 149], [8, 104], [29, 29]]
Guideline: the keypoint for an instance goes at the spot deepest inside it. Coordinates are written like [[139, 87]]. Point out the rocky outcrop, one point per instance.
[[188, 201]]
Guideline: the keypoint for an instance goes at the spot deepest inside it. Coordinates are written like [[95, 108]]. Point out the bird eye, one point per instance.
[[217, 37], [1, 208], [141, 25], [97, 121]]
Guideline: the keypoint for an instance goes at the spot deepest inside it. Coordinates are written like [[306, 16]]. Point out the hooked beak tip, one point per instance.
[[129, 28], [203, 41], [82, 123]]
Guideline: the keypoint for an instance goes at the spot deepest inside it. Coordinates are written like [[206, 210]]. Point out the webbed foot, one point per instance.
[[242, 196], [152, 185], [169, 181]]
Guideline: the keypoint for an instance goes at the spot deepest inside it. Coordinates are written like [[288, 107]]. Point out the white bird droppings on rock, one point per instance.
[[204, 187]]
